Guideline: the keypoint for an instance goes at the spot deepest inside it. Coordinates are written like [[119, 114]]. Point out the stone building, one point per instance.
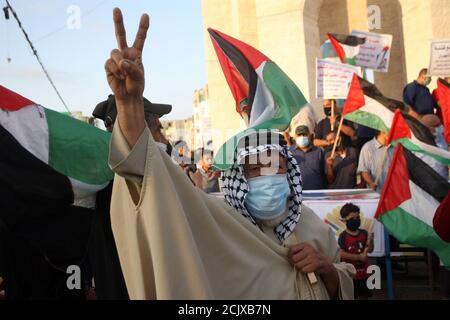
[[202, 119], [175, 130], [290, 32]]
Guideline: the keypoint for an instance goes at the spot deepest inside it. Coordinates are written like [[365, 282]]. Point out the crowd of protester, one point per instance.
[[359, 159]]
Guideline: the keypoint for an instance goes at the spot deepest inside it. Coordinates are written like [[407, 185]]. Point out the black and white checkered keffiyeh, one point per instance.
[[235, 187]]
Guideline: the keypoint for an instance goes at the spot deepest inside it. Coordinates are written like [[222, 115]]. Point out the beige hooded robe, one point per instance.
[[177, 242]]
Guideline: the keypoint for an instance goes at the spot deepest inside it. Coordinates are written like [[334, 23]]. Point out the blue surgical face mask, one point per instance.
[[267, 196], [302, 141]]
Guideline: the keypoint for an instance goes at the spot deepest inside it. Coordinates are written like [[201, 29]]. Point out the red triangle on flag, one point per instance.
[[253, 56], [337, 47], [444, 102], [399, 128], [355, 97], [396, 188], [238, 86], [11, 101]]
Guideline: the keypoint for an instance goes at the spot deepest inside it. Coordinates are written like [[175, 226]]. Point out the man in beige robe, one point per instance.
[[175, 242]]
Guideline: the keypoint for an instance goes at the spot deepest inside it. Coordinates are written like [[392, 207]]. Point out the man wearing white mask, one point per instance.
[[175, 242], [310, 159]]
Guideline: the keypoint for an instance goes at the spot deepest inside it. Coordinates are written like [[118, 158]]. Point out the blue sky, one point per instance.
[[174, 56]]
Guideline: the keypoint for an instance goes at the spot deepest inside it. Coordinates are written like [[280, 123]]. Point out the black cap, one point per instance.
[[302, 130], [107, 111]]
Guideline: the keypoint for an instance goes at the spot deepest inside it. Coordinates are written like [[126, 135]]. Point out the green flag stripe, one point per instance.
[[367, 119], [408, 144], [77, 149], [288, 101], [287, 96], [410, 230]]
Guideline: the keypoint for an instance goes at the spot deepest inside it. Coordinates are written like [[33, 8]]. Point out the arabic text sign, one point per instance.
[[440, 58], [333, 79], [376, 52]]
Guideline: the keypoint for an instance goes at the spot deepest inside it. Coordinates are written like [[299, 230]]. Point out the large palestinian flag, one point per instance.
[[410, 198], [265, 96], [346, 46], [71, 147], [443, 91], [415, 136], [366, 105]]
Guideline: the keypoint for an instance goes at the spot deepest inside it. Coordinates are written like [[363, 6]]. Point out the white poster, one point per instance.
[[440, 58], [375, 52], [327, 204], [333, 79]]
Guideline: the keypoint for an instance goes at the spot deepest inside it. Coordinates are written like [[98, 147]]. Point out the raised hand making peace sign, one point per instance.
[[125, 74]]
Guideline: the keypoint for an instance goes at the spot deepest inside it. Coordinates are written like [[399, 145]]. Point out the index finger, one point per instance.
[[121, 35], [295, 249], [142, 32]]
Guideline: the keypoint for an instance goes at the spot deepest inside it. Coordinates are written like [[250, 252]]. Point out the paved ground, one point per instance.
[[411, 285]]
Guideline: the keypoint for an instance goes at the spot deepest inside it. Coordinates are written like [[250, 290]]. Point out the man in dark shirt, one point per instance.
[[341, 169], [310, 159], [418, 96], [332, 121], [363, 134]]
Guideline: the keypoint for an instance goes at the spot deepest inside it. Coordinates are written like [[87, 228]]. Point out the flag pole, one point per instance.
[[332, 112], [337, 136]]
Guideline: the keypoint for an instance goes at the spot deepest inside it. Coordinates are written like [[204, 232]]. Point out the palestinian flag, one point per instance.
[[443, 91], [410, 198], [346, 46], [265, 96], [71, 147], [366, 105], [26, 177], [415, 136]]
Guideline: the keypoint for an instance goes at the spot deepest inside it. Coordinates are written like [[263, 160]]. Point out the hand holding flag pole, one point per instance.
[[332, 113], [337, 136]]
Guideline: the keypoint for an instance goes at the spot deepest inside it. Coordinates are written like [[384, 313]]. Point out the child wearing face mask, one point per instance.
[[356, 244]]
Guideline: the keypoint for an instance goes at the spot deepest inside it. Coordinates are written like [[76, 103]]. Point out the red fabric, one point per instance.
[[355, 245], [399, 128], [444, 100], [12, 101], [355, 98], [441, 220], [237, 84], [436, 99], [337, 47], [396, 188], [254, 57]]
